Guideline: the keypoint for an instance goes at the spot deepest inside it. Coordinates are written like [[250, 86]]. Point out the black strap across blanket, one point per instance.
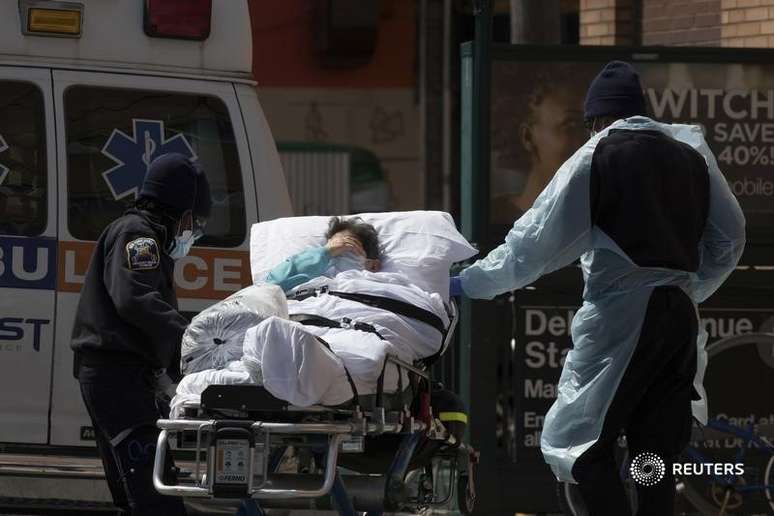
[[385, 303], [318, 320], [346, 322]]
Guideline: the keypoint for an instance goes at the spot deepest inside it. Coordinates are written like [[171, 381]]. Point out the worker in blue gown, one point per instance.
[[657, 230]]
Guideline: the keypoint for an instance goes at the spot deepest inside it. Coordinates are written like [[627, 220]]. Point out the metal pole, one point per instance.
[[478, 355], [482, 70], [422, 42], [474, 166], [447, 107]]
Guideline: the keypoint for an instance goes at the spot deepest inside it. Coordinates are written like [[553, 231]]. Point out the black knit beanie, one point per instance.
[[171, 181], [616, 91]]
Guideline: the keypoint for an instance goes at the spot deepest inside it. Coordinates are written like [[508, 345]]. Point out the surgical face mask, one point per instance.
[[348, 262], [182, 245], [189, 230]]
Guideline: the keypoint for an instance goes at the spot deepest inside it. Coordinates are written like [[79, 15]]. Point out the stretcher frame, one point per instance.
[[346, 431]]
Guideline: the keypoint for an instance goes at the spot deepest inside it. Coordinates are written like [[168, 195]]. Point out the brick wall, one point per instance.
[[606, 22], [729, 23], [747, 23], [681, 22]]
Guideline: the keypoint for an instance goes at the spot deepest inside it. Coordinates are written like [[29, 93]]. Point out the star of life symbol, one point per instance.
[[3, 169], [134, 153], [647, 469]]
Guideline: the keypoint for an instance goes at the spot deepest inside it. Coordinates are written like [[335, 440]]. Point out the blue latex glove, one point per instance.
[[455, 286]]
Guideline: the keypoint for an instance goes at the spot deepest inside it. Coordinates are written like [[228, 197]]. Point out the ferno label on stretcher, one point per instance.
[[232, 461]]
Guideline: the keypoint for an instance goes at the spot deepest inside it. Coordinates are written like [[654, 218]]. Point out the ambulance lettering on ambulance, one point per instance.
[[25, 263], [28, 263], [13, 329], [205, 273]]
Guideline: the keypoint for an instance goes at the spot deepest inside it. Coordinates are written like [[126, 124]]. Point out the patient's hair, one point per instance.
[[364, 232]]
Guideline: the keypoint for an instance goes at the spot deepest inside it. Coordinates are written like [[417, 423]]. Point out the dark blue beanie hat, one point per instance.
[[171, 181], [616, 91]]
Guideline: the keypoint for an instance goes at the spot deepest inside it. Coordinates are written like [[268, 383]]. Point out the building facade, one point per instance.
[[713, 23]]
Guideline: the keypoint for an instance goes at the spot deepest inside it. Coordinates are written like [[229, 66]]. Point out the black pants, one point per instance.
[[122, 404], [652, 405]]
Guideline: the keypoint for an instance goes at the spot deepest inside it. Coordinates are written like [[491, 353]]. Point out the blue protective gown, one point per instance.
[[300, 268], [556, 231]]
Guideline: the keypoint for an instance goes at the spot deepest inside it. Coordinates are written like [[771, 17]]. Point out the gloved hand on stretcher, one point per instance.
[[455, 286], [165, 387]]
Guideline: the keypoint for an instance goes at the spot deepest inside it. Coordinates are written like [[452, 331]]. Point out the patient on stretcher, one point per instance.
[[351, 244], [347, 313]]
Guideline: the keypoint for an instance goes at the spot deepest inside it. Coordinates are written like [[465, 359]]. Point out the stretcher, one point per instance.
[[402, 451]]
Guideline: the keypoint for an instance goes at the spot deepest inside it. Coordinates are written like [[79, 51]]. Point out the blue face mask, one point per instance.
[[182, 245]]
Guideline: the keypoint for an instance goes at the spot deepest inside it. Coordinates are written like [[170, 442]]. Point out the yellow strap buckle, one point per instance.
[[453, 416]]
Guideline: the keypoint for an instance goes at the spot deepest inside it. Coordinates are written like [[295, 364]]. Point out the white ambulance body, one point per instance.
[[90, 92]]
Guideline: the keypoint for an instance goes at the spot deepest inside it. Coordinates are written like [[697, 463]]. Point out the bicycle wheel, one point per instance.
[[768, 480], [737, 406], [702, 500]]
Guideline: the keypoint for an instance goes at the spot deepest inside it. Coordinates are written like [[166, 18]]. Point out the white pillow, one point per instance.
[[422, 245]]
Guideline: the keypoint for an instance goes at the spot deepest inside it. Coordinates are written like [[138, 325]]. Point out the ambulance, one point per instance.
[[90, 93]]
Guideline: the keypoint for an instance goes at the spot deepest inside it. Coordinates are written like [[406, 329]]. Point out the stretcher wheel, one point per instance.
[[466, 501]]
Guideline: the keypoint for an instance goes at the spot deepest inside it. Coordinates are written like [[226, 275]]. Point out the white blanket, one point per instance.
[[192, 386], [292, 364], [296, 367]]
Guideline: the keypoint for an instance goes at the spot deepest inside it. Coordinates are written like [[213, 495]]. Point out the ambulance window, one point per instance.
[[112, 134], [22, 159]]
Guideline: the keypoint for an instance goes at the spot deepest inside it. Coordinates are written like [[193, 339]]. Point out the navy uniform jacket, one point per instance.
[[127, 312]]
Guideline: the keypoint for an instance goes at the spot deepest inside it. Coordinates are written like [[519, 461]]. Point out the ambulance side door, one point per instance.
[[109, 128], [28, 233]]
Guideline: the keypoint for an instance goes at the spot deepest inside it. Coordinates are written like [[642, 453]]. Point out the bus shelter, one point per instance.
[[521, 117]]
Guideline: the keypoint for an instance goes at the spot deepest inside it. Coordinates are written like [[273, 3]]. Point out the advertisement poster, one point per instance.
[[740, 399]]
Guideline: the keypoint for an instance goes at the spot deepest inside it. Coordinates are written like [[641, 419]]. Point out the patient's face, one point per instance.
[[345, 246]]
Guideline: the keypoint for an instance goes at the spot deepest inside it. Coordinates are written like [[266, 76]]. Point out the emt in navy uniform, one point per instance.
[[645, 207], [127, 330]]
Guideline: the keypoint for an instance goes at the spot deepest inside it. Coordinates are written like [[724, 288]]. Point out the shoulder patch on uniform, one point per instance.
[[142, 253]]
